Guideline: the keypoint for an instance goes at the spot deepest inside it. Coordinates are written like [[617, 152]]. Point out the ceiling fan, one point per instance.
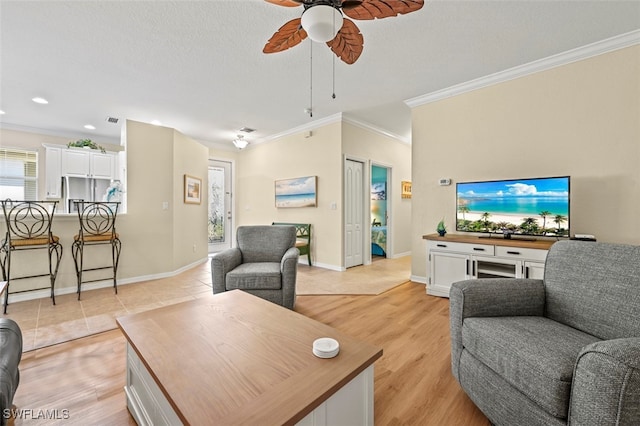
[[323, 21]]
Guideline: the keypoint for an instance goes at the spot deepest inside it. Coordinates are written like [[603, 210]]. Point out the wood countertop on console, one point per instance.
[[496, 241], [233, 358]]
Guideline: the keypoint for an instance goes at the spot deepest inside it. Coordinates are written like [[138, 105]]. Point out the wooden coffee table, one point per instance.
[[233, 358]]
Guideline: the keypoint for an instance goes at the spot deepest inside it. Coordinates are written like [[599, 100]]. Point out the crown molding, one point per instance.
[[335, 118], [373, 128], [564, 58]]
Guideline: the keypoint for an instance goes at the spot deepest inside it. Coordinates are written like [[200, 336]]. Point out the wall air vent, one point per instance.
[[247, 129], [113, 120]]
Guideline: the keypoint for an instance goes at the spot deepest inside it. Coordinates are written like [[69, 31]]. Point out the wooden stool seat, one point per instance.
[[23, 242], [99, 237]]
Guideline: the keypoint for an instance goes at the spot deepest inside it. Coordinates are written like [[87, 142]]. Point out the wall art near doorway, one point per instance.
[[297, 192], [406, 189], [192, 190]]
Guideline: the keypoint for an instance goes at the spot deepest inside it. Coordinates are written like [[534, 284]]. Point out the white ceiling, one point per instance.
[[198, 66]]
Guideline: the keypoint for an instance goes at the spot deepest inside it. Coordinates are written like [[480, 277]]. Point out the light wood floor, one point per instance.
[[81, 382]]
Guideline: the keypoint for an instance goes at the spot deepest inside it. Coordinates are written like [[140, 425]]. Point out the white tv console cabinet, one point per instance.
[[459, 257]]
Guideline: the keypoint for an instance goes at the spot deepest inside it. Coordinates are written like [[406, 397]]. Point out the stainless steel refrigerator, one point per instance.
[[83, 189]]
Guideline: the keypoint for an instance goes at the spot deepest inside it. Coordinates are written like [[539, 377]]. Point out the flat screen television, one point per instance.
[[532, 207]]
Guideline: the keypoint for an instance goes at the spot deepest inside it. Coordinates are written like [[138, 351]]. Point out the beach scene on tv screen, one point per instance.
[[525, 206]]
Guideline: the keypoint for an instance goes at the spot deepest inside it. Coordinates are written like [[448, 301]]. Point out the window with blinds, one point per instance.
[[18, 174]]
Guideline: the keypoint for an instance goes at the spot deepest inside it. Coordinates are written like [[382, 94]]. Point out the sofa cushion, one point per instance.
[[594, 287], [534, 354], [255, 276]]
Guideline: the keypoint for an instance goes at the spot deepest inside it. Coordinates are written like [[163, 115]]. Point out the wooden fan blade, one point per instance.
[[372, 9], [348, 43], [285, 3], [289, 35]]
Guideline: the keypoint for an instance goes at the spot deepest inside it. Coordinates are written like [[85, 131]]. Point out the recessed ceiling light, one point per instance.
[[1, 112], [40, 100], [89, 126], [156, 123]]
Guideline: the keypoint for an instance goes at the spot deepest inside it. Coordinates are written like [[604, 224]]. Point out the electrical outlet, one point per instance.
[[194, 248]]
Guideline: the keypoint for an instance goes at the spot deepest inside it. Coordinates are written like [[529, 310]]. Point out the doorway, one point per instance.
[[220, 216], [380, 209], [353, 213]]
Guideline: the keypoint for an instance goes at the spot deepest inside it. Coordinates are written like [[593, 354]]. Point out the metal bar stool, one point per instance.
[[29, 228], [97, 226]]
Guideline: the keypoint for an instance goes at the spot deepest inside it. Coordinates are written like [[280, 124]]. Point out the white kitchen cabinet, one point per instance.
[[459, 257], [53, 171], [88, 163], [102, 165]]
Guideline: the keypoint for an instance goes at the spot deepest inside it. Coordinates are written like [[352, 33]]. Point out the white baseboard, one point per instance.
[[398, 255], [418, 279], [330, 267]]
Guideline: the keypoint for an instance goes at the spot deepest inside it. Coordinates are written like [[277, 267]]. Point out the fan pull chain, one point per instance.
[[333, 95], [311, 78]]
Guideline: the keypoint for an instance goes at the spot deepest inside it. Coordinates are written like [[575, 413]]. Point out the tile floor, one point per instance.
[[44, 324]]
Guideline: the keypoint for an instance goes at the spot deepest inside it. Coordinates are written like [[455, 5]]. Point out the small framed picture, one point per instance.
[[192, 190], [406, 189]]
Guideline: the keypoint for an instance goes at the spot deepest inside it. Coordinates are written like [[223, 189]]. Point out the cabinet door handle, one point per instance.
[[473, 263], [467, 267], [478, 249], [441, 245], [513, 252], [526, 272]]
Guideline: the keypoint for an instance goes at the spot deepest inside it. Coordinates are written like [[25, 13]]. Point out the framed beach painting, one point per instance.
[[297, 192], [192, 190]]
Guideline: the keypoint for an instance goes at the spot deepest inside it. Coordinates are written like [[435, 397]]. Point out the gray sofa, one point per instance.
[[10, 355], [263, 263], [560, 351]]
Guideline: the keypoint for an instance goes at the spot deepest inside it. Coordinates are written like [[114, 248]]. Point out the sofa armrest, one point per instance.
[[490, 298], [289, 260], [606, 384], [10, 356], [289, 268], [221, 263]]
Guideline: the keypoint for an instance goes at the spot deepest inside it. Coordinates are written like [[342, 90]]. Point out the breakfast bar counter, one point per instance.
[[233, 358]]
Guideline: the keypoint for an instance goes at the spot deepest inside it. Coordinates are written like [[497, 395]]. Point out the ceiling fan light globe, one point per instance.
[[240, 143], [322, 22]]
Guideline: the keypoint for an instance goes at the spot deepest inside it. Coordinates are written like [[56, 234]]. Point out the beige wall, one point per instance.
[[580, 119], [292, 156], [190, 220], [321, 155], [377, 149]]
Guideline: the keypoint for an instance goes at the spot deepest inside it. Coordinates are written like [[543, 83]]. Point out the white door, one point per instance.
[[353, 212], [220, 216]]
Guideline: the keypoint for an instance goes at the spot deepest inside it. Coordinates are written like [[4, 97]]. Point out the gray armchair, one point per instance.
[[263, 263], [560, 351]]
